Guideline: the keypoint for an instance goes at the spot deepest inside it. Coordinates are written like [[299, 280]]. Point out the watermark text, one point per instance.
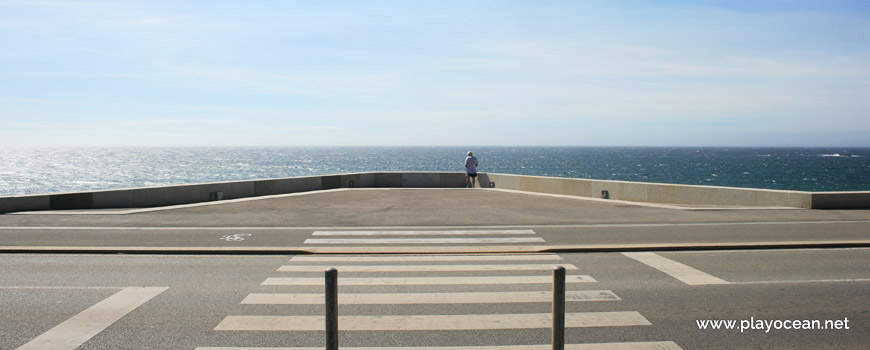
[[753, 324]]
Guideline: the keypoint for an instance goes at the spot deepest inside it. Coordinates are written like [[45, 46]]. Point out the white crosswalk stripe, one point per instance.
[[657, 345], [427, 258], [494, 280], [430, 322], [428, 298], [423, 268], [422, 281]]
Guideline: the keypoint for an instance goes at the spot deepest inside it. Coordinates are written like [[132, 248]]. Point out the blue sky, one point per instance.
[[584, 73]]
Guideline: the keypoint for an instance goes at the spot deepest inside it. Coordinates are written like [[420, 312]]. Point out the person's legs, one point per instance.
[[473, 178], [467, 181]]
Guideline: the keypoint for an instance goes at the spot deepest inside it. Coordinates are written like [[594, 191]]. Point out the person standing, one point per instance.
[[470, 170]]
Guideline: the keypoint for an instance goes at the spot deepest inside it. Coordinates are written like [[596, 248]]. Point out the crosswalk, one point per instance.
[[485, 294]]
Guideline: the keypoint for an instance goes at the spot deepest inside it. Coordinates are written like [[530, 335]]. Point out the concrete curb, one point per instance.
[[599, 248]]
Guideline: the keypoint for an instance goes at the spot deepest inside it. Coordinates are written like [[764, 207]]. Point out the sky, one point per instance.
[[452, 73]]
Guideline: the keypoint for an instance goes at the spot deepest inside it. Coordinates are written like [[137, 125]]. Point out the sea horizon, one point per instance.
[[56, 169]]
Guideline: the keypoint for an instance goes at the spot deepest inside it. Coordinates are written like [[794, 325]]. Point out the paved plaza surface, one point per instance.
[[492, 293], [463, 218]]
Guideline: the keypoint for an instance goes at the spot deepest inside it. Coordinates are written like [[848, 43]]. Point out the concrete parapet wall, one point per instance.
[[195, 193], [24, 203], [158, 196], [679, 194], [841, 200], [418, 180], [617, 190]]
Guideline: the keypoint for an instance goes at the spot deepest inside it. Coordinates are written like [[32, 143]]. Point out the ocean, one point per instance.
[[50, 170]]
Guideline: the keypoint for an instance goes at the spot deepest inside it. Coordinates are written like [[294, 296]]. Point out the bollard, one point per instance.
[[331, 303], [559, 308]]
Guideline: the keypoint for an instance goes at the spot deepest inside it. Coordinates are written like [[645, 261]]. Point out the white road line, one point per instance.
[[424, 240], [421, 281], [689, 275], [431, 322], [424, 258], [139, 228], [427, 298], [423, 233], [271, 228], [789, 251], [807, 281], [659, 345], [423, 268], [58, 287], [78, 329]]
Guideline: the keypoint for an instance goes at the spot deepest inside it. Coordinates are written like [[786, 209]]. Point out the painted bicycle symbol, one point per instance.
[[236, 237]]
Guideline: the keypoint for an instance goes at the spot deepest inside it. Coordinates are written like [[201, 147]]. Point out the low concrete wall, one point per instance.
[[678, 194], [195, 193], [24, 203], [159, 196], [841, 200], [620, 190]]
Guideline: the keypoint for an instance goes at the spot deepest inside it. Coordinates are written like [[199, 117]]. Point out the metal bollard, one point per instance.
[[559, 308], [331, 301]]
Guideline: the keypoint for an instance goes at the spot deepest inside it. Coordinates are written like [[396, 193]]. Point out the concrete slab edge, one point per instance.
[[645, 204], [595, 248]]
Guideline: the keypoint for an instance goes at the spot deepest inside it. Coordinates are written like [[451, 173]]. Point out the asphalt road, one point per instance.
[[632, 297], [40, 292]]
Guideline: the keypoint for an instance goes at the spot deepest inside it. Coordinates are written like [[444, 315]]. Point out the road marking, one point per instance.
[[689, 275], [480, 240], [807, 281], [424, 258], [419, 281], [423, 268], [427, 298], [431, 322], [796, 250], [423, 233], [78, 329], [659, 345], [236, 237], [58, 287], [308, 228]]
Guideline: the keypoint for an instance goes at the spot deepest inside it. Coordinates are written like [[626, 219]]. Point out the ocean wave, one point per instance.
[[844, 155]]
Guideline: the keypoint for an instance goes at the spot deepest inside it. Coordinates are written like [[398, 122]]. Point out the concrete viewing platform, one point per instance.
[[676, 194], [411, 219]]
